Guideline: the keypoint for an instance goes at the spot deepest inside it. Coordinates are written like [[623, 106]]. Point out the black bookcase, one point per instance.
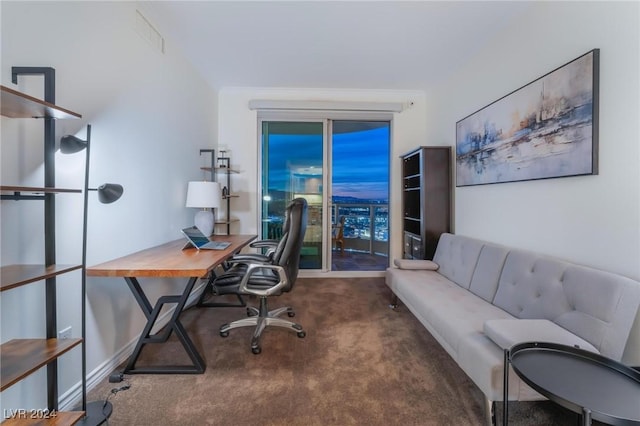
[[426, 199]]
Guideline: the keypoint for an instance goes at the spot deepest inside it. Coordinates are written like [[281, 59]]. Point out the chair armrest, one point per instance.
[[264, 243], [253, 268], [270, 245], [249, 258]]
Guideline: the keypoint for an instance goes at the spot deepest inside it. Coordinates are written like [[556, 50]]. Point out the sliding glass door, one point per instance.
[[292, 166], [341, 167]]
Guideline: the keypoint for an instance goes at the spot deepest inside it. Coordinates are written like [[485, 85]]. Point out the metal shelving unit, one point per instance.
[[221, 165], [21, 357]]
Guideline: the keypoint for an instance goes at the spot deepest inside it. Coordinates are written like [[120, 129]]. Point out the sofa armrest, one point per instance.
[[508, 332]]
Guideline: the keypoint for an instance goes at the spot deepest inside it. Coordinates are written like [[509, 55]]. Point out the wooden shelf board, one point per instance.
[[61, 418], [21, 357], [38, 189], [12, 276], [225, 222], [219, 169], [16, 104]]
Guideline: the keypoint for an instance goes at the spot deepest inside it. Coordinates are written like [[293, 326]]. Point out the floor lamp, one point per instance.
[[96, 412]]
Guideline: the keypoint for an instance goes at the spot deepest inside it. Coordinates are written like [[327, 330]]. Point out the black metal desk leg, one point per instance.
[[152, 313]]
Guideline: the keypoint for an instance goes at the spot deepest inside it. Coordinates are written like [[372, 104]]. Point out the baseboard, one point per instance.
[[340, 274], [73, 397]]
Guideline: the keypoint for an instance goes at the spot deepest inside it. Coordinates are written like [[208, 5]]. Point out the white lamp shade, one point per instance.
[[203, 195]]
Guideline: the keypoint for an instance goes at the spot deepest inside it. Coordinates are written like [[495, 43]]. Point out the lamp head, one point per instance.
[[109, 192], [70, 144]]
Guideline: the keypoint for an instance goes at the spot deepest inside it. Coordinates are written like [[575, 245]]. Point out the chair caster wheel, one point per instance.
[[224, 334], [301, 334], [256, 350], [291, 314]]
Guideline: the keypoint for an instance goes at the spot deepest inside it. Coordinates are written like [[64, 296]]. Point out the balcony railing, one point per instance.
[[366, 227]]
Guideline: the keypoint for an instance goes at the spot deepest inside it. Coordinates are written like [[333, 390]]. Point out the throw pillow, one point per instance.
[[428, 265]]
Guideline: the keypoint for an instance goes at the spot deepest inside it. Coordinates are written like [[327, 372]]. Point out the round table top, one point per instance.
[[578, 379]]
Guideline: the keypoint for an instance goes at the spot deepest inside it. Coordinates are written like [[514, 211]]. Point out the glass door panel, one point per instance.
[[292, 166], [360, 194]]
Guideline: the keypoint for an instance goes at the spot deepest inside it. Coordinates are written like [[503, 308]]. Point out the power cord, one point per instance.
[[113, 392]]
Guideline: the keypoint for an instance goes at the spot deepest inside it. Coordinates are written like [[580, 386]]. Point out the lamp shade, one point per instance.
[[109, 192], [70, 144], [203, 195]]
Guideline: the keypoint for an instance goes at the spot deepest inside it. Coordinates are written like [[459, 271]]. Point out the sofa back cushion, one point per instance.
[[457, 256], [484, 282], [598, 306]]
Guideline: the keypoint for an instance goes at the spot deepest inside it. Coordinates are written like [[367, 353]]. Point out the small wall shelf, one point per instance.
[[223, 168]]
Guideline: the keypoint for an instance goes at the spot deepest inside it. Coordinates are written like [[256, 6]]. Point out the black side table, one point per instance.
[[589, 384]]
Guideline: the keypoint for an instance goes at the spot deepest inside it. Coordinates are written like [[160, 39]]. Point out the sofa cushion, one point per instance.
[[487, 273], [531, 286], [457, 256], [508, 332], [598, 306], [603, 308], [451, 312], [427, 265]]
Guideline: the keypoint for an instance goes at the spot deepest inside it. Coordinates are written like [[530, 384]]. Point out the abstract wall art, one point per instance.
[[545, 129]]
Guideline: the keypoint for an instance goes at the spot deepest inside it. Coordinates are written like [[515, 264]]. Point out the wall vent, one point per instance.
[[148, 32]]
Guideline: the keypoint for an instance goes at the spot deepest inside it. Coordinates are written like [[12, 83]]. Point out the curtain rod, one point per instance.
[[298, 105]]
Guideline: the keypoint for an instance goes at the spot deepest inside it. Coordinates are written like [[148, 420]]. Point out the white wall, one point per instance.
[[150, 114], [593, 220], [238, 131]]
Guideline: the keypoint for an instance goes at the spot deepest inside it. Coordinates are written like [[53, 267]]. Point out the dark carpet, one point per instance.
[[360, 363]]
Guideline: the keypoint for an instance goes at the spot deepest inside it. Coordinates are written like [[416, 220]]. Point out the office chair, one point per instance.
[[266, 275]]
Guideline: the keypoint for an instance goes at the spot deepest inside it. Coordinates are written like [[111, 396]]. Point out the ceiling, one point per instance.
[[329, 44]]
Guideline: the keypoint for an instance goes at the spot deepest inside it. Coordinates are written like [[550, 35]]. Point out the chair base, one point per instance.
[[260, 319]]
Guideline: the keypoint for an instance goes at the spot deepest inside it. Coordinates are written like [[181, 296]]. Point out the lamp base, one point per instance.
[[204, 222], [97, 413]]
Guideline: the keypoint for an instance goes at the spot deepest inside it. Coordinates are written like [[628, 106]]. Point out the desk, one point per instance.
[[584, 382], [170, 261]]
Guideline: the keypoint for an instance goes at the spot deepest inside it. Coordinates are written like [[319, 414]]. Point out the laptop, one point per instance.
[[198, 240]]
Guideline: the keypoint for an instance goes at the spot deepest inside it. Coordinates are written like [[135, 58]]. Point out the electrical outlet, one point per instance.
[[65, 334]]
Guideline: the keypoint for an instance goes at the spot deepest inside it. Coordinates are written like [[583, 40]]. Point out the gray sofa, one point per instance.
[[477, 298]]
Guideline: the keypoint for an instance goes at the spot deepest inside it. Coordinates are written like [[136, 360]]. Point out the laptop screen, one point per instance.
[[195, 236]]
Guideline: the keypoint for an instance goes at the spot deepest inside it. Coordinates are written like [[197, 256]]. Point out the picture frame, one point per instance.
[[547, 128]]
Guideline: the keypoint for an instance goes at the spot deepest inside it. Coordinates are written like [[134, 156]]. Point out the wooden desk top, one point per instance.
[[169, 260]]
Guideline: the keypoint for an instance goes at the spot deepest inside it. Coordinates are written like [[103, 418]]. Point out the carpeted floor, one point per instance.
[[361, 363]]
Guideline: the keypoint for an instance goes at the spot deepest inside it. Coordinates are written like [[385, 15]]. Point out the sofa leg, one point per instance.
[[490, 412], [394, 301]]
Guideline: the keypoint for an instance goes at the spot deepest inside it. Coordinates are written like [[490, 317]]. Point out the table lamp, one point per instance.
[[205, 196]]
